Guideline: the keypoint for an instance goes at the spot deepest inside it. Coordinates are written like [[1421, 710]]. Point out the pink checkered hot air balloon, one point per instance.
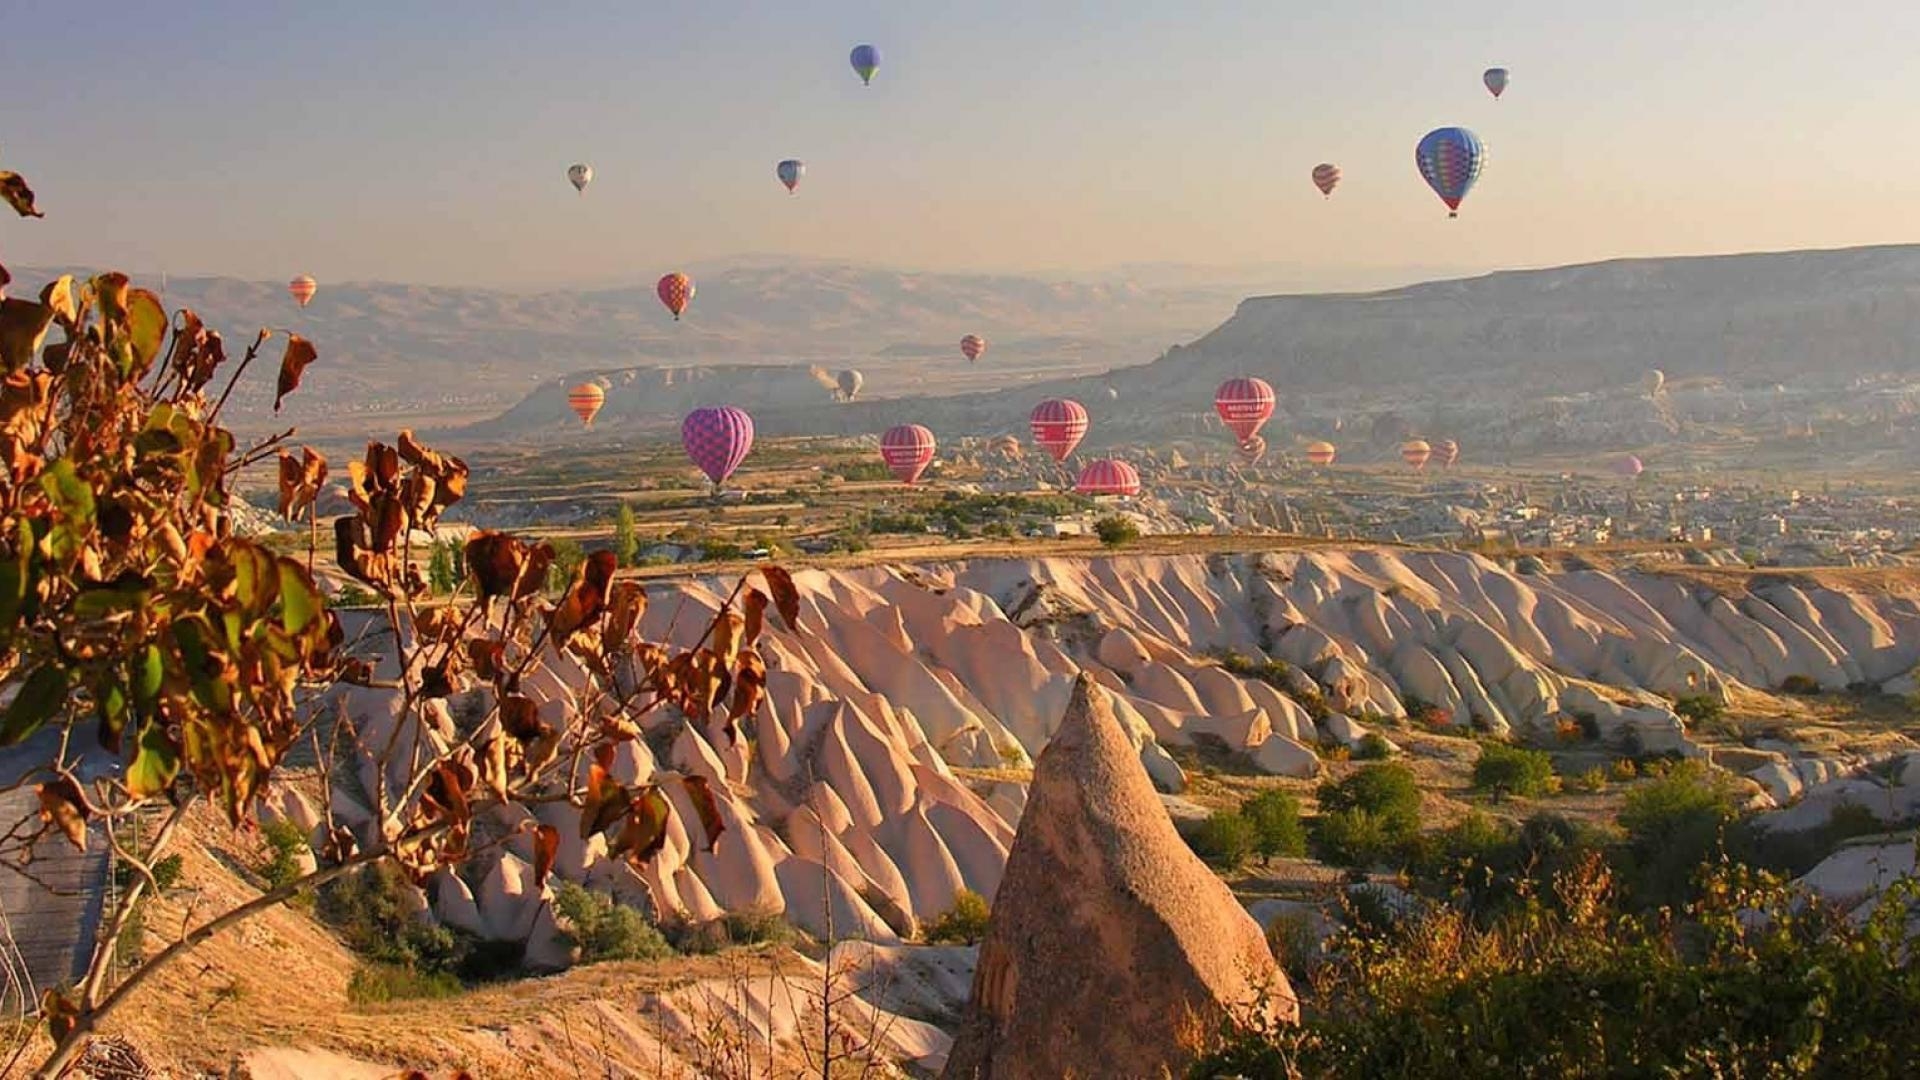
[[717, 439], [1326, 177], [1108, 476], [972, 346], [1321, 454], [1058, 426], [302, 289], [1415, 452], [907, 449], [1245, 404], [675, 291], [1446, 452]]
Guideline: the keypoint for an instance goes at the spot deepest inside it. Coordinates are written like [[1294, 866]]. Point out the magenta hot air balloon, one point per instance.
[[717, 439], [1628, 466], [907, 449], [1058, 426], [1109, 476], [1245, 405]]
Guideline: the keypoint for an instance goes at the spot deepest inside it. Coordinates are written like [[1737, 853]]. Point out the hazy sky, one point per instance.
[[428, 142]]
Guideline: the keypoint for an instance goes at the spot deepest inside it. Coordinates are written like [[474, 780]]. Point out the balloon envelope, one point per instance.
[[866, 61], [790, 172], [1005, 446], [717, 439], [1058, 426], [580, 176], [907, 449], [1321, 453], [585, 400], [1415, 452], [1253, 450], [675, 291], [972, 346], [302, 289], [1108, 476], [1655, 381], [1628, 466], [1326, 178], [1446, 451], [1450, 159], [1245, 404], [850, 383], [1496, 80]]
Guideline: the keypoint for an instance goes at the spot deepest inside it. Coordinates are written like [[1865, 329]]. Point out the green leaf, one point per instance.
[[41, 695], [155, 763], [147, 329], [148, 670], [300, 602], [70, 494], [110, 700], [126, 593], [16, 580]]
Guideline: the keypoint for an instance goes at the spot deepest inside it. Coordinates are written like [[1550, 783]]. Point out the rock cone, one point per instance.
[[1111, 946]]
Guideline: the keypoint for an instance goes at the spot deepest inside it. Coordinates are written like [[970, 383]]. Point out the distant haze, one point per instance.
[[364, 141]]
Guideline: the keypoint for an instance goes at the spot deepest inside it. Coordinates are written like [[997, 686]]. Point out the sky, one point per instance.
[[428, 142]]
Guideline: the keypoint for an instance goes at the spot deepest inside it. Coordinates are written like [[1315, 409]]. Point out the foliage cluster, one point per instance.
[[965, 923], [604, 930], [1267, 824], [1504, 770], [1116, 530]]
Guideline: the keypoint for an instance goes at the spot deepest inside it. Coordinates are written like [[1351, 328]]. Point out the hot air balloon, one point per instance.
[[1326, 178], [717, 439], [850, 383], [1496, 80], [1252, 450], [1628, 466], [1451, 159], [585, 401], [675, 290], [302, 289], [907, 448], [790, 172], [1244, 404], [1446, 451], [972, 346], [1320, 454], [1006, 446], [866, 61], [580, 176], [1655, 381], [1415, 452], [1108, 476], [1113, 392], [1058, 426]]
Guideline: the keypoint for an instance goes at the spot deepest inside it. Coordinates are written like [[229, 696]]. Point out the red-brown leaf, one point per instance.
[[786, 598], [586, 598], [646, 829], [293, 363], [15, 193], [546, 848], [520, 718], [63, 806], [755, 606], [700, 793], [495, 561]]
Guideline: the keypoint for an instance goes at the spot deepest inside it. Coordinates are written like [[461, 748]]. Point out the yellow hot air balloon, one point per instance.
[[1320, 454], [585, 400], [1415, 452]]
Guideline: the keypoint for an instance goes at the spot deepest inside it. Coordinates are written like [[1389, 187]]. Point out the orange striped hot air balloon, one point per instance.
[[1320, 454], [585, 401], [1446, 452], [676, 291], [1326, 178], [972, 346], [1415, 452], [302, 289]]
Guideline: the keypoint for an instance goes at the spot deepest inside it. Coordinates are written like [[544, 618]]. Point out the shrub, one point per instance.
[[372, 913], [373, 984], [1698, 708], [1277, 830], [1623, 770], [1511, 770], [1388, 791], [1373, 747], [568, 557], [1116, 531], [286, 843], [1591, 781], [1674, 825], [1357, 838], [1224, 840], [626, 535], [1800, 684], [965, 923], [605, 930]]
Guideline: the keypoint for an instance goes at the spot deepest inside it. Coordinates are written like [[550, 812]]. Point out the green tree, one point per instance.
[[1116, 530], [1224, 840], [626, 536], [1675, 824], [1511, 770], [965, 923], [443, 569], [1277, 830]]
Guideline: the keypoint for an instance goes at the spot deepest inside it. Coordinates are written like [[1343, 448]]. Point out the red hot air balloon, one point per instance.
[[676, 291], [1326, 178], [1058, 426], [1320, 454], [302, 289], [972, 346], [1109, 476], [585, 401], [1245, 404], [1446, 452], [1415, 452], [717, 439], [907, 449]]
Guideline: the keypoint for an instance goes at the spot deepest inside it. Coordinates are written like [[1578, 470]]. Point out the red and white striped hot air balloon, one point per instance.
[[1245, 404], [1320, 454], [1446, 452], [1252, 450], [1415, 452], [907, 449], [1326, 177], [1058, 426], [675, 291], [972, 346], [302, 289], [585, 401], [1004, 445], [1109, 476]]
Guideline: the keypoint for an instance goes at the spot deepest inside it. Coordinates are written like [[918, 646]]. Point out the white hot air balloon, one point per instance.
[[580, 176]]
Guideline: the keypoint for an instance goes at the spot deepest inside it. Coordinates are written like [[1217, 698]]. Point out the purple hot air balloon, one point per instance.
[[717, 439]]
